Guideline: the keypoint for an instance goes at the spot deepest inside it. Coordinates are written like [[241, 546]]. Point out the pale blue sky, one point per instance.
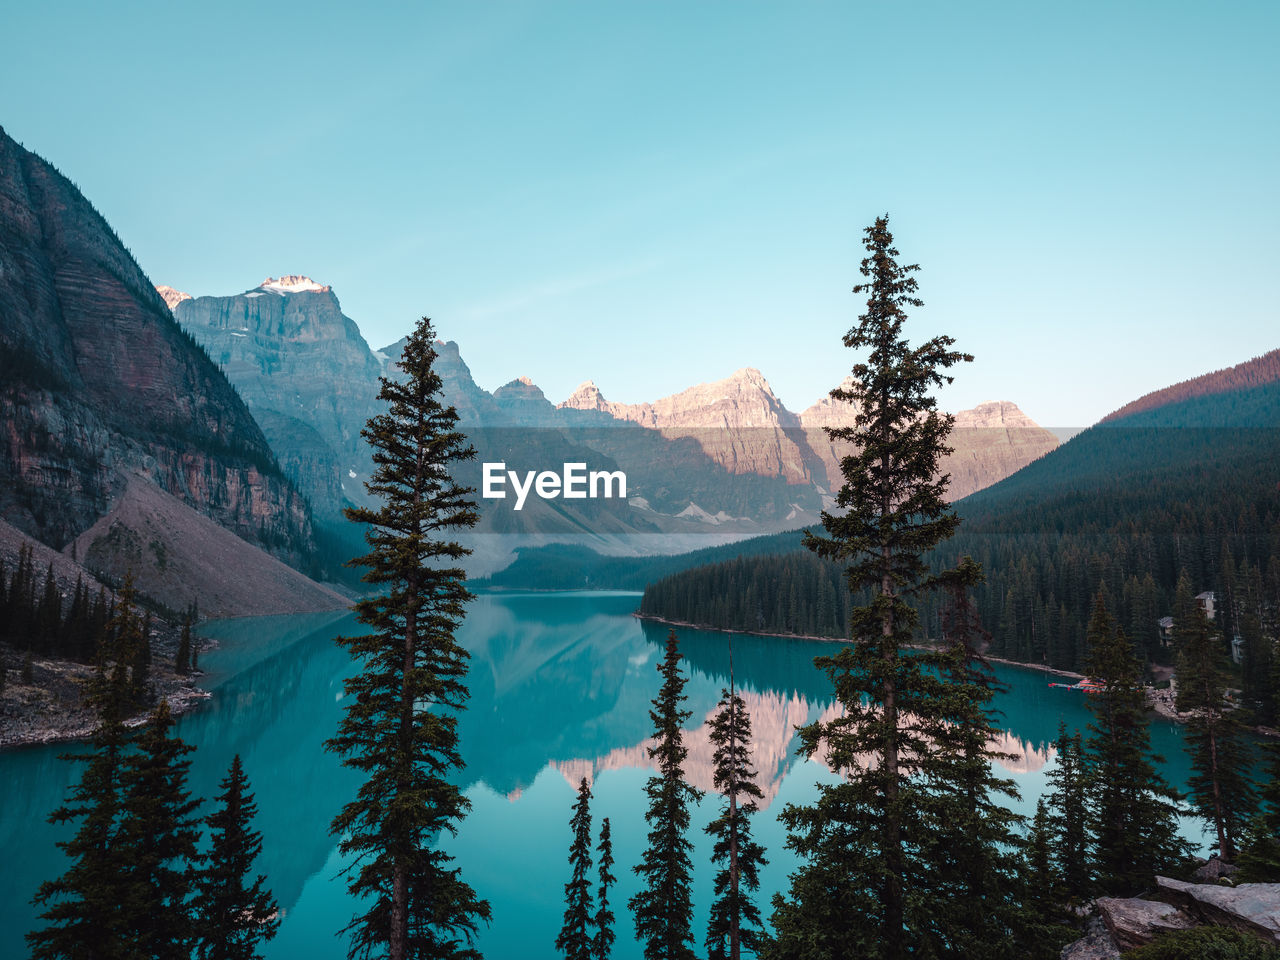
[[652, 194]]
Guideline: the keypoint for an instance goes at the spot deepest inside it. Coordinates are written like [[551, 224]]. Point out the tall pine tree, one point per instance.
[[1044, 881], [124, 644], [1068, 806], [233, 915], [977, 886], [157, 834], [860, 890], [734, 923], [574, 940], [1221, 789], [1260, 856], [663, 908], [400, 728], [1133, 812], [182, 659], [602, 922], [81, 907]]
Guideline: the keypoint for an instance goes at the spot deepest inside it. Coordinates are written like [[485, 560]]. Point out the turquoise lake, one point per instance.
[[560, 688]]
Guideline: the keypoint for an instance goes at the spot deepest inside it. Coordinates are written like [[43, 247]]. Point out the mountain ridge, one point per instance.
[[724, 456], [1255, 372], [98, 383]]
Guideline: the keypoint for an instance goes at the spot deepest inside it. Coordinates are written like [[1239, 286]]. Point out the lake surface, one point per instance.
[[560, 688]]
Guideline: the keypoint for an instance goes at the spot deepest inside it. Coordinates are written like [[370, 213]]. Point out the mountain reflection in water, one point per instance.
[[560, 689]]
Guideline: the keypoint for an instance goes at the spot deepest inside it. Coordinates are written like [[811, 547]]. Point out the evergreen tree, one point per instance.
[[1259, 860], [123, 644], [78, 639], [602, 940], [82, 913], [1046, 924], [99, 616], [574, 940], [1068, 804], [400, 728], [48, 614], [1259, 649], [1044, 882], [861, 889], [1221, 790], [232, 917], [1134, 813], [22, 599], [182, 659], [663, 908], [734, 923], [157, 835], [140, 662], [973, 838]]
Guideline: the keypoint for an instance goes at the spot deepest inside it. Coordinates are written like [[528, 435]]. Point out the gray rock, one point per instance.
[[1134, 923], [1214, 870], [1096, 944], [1251, 907]]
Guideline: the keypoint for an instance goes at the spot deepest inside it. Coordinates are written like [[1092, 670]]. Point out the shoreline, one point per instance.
[[51, 709], [45, 723], [1156, 703], [1039, 668]]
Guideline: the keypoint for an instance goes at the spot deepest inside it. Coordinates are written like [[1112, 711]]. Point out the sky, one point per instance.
[[656, 194]]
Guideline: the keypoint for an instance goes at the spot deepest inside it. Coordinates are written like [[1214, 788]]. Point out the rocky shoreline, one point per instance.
[[51, 708]]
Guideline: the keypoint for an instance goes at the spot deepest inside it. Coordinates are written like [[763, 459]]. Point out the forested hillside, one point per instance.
[[560, 566], [1191, 486]]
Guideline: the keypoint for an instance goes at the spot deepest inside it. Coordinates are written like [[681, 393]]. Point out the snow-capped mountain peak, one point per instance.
[[291, 283]]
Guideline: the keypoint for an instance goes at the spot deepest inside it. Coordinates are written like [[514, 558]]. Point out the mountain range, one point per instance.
[[140, 418], [725, 457]]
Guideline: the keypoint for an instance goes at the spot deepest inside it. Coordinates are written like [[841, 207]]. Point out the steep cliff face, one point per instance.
[[307, 375], [98, 384]]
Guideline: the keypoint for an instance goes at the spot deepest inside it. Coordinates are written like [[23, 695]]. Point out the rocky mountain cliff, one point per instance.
[[725, 456], [741, 425], [306, 373], [738, 422], [99, 385]]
